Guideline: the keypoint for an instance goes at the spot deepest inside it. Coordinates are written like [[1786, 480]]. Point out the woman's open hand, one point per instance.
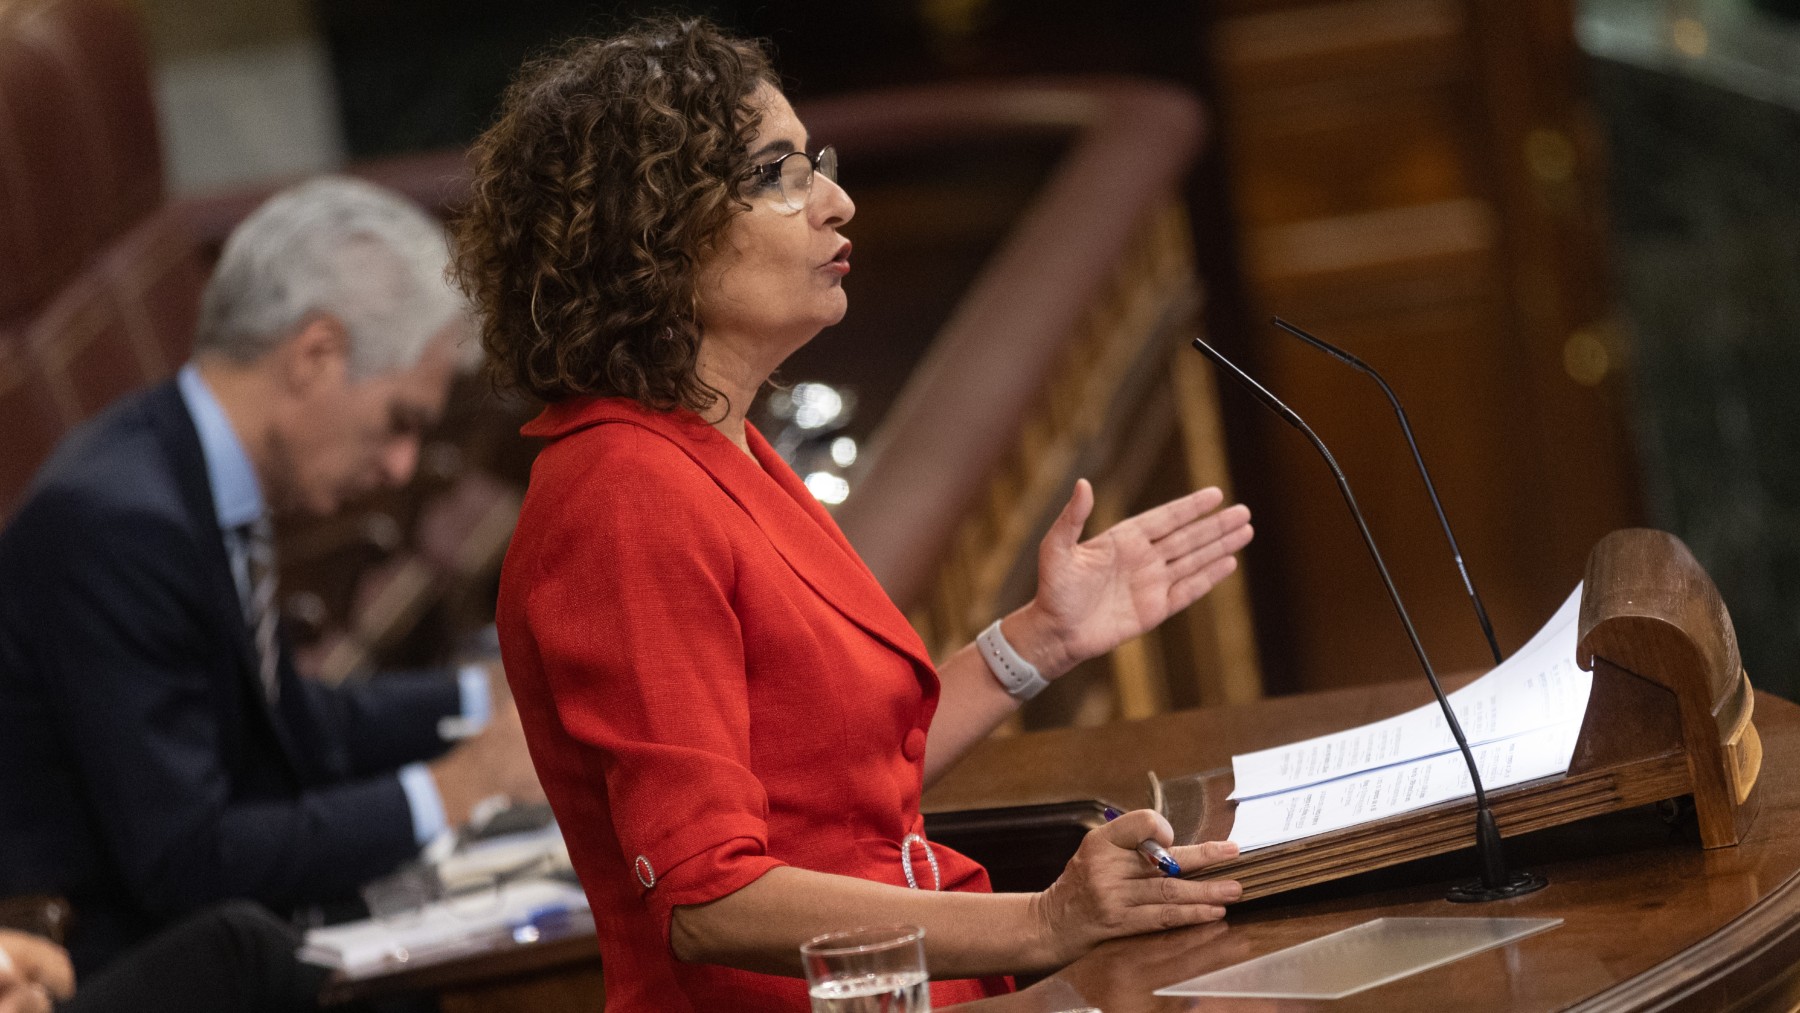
[[1093, 596], [1109, 889]]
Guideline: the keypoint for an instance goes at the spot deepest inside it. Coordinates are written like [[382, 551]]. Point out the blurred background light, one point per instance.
[[827, 487]]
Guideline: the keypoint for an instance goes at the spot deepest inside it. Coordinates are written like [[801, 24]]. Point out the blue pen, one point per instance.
[[1156, 853]]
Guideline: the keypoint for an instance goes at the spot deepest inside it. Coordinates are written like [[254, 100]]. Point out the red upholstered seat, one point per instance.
[[80, 164], [124, 320], [99, 279]]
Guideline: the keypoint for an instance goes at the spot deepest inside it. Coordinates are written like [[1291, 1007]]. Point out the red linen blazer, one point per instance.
[[712, 684]]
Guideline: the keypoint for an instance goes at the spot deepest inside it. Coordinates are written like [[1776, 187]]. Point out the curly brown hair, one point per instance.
[[609, 176]]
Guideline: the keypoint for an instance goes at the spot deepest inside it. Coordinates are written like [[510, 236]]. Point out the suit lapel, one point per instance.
[[775, 500], [175, 429], [811, 542]]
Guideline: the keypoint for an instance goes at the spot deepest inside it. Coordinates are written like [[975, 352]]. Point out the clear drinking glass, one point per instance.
[[399, 899], [475, 896], [877, 969]]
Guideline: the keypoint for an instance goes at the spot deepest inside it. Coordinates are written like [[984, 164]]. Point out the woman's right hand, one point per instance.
[[1109, 889]]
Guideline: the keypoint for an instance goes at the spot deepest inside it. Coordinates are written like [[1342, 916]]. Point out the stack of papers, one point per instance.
[[539, 852], [440, 927], [1521, 721]]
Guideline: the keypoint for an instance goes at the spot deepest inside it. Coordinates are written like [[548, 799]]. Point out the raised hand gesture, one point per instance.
[[1094, 595]]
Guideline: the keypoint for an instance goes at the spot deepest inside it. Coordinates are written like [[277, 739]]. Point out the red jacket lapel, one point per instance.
[[773, 497]]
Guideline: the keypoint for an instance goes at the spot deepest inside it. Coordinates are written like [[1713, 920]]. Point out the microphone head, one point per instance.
[[1321, 344], [1262, 393]]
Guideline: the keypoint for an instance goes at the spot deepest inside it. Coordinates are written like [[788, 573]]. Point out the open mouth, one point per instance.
[[842, 260]]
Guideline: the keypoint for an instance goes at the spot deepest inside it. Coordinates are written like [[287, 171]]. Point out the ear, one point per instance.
[[318, 354]]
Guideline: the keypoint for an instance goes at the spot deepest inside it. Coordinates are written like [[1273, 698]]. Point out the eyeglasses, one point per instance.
[[790, 178]]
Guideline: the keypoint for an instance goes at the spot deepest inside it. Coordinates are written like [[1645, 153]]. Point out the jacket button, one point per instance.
[[914, 746]]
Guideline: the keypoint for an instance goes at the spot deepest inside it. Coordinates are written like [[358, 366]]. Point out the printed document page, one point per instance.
[[1539, 686], [1347, 801]]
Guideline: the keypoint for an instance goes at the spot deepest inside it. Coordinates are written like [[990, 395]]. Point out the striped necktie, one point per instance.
[[259, 610]]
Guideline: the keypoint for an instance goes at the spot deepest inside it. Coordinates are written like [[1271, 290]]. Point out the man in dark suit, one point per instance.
[[158, 752]]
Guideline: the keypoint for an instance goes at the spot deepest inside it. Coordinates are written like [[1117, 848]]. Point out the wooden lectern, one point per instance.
[[1669, 715], [1654, 915]]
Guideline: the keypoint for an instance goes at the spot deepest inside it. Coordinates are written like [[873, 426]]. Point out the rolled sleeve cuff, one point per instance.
[[703, 876], [423, 800]]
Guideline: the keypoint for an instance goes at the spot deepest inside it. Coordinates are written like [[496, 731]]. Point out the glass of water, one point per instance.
[[879, 969], [399, 899]]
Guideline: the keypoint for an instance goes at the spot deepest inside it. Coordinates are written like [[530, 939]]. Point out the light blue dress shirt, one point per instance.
[[238, 502]]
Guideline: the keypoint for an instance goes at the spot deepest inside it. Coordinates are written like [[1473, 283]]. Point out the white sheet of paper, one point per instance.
[[367, 945], [1360, 798], [1538, 686]]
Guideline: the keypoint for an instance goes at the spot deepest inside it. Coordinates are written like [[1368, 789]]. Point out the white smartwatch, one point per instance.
[[1019, 677]]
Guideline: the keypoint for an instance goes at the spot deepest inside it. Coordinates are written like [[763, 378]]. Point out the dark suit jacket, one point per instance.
[[142, 772]]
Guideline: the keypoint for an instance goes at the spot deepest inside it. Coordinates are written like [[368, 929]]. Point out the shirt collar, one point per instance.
[[237, 495], [772, 497]]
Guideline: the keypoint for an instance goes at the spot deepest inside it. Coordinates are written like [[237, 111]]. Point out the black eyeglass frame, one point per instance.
[[816, 163]]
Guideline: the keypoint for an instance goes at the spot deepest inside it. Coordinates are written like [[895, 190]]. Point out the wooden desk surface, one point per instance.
[[1650, 919]]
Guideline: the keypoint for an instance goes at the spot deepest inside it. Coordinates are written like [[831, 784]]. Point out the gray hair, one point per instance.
[[342, 247]]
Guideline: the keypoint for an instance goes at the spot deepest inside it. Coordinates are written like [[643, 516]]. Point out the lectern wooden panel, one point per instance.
[[1650, 614]]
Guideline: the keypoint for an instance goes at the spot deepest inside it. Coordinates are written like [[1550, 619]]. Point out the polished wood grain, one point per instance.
[[1649, 609], [1651, 918], [40, 914]]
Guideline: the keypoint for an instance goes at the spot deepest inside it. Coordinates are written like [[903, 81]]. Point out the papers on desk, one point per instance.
[[440, 927], [1521, 721], [539, 852]]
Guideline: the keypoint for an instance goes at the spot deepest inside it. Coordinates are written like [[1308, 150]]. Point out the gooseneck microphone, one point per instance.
[[1357, 364], [1496, 882]]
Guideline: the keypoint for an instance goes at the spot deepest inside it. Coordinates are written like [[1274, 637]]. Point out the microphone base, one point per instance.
[[1515, 884]]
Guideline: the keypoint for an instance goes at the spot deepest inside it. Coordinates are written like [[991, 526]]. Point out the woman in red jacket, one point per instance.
[[731, 719]]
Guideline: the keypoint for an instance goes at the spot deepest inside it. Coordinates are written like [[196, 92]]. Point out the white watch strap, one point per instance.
[[1019, 677]]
